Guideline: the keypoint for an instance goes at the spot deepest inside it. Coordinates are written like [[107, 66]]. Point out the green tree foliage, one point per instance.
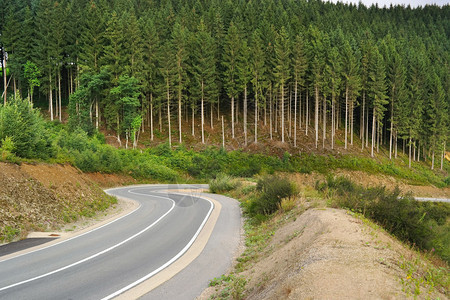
[[204, 70], [126, 97], [31, 74], [24, 126], [279, 53]]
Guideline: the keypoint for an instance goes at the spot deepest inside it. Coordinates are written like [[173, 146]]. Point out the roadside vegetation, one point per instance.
[[272, 201], [26, 137], [422, 224]]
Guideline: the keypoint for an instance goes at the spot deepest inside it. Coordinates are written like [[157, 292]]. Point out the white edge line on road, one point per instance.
[[97, 254], [75, 237], [183, 251]]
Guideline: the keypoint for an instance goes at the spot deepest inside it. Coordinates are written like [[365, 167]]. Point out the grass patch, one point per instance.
[[223, 183]]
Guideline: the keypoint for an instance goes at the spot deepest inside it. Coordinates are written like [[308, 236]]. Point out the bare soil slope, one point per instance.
[[44, 197], [329, 254]]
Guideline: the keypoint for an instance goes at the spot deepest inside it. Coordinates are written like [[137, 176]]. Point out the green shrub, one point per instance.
[[423, 224], [223, 183], [272, 189], [26, 128], [150, 169]]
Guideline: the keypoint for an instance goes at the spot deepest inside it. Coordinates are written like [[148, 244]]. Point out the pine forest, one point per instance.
[[255, 70]]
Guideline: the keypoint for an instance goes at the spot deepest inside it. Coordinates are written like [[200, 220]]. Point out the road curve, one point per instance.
[[427, 199], [114, 258]]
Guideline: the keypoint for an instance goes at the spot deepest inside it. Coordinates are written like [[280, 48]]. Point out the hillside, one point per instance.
[[45, 197]]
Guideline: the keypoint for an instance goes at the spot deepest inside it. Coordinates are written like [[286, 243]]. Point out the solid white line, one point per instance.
[[99, 253], [183, 251], [75, 237]]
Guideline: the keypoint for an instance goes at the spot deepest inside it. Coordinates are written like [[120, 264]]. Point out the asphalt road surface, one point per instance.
[[124, 254]]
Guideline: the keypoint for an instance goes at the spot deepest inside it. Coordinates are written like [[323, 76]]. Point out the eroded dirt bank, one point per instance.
[[44, 197]]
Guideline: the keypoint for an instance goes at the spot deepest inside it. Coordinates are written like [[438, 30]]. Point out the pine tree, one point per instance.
[[299, 66], [232, 49], [378, 93], [151, 43], [113, 47], [204, 69], [351, 83], [258, 73], [167, 64], [334, 73], [179, 42], [317, 60], [282, 71]]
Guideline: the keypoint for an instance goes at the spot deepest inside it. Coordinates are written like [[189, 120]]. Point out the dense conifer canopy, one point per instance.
[[382, 71]]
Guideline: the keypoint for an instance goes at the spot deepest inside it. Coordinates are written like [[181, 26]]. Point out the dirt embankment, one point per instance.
[[329, 254], [44, 197]]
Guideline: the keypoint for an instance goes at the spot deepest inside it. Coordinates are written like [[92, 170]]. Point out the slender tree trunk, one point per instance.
[[333, 121], [295, 114], [346, 116], [290, 113], [168, 114], [361, 123], [223, 134], [265, 111], [367, 126], [307, 113], [218, 108], [373, 132], [118, 130], [300, 110], [316, 115], [14, 87], [55, 108], [193, 120], [324, 130], [410, 145], [392, 131], [179, 112], [256, 116], [232, 117], [160, 117], [59, 91], [362, 120], [203, 115], [418, 151], [237, 111], [211, 114], [396, 144], [96, 114], [432, 160], [282, 113], [50, 99], [352, 114], [378, 137], [5, 85], [270, 116], [151, 117], [245, 116], [276, 111]]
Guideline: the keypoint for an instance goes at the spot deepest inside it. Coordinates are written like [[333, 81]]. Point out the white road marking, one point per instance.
[[99, 253], [139, 281], [75, 237]]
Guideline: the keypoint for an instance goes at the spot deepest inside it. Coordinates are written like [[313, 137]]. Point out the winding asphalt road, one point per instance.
[[117, 257]]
